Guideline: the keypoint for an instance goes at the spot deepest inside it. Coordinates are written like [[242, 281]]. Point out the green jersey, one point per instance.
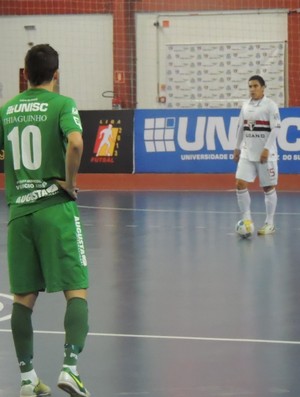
[[34, 127]]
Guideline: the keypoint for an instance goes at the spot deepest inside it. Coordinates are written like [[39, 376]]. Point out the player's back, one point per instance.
[[35, 126]]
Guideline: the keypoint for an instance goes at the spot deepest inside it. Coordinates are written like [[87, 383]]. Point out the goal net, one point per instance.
[[156, 54]]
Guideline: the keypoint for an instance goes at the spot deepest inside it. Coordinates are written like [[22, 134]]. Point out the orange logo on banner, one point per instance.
[[105, 141], [106, 144]]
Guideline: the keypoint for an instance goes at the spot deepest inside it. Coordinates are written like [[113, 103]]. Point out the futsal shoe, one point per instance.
[[72, 384], [28, 389], [266, 229]]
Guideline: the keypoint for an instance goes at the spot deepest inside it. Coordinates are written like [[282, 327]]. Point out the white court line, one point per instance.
[[152, 210], [173, 337], [178, 211]]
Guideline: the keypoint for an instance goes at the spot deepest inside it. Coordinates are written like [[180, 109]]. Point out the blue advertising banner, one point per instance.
[[203, 140]]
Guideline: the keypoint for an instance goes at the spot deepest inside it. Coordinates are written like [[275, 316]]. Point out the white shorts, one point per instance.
[[249, 170]]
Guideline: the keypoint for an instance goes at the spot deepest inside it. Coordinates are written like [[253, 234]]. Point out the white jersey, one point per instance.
[[257, 121]]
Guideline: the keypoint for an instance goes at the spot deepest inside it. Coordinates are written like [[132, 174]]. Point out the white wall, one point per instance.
[[84, 43], [86, 53], [203, 28]]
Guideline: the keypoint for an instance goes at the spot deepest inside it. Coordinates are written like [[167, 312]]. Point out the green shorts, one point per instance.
[[46, 251]]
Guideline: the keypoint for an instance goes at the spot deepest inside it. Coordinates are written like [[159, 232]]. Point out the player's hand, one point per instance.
[[236, 155], [264, 156], [71, 190]]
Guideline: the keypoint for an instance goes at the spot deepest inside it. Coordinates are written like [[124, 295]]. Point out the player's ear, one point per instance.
[[56, 74], [25, 74]]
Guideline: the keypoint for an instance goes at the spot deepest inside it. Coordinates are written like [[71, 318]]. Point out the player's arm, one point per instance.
[[270, 141], [239, 138], [1, 133], [73, 158], [275, 124]]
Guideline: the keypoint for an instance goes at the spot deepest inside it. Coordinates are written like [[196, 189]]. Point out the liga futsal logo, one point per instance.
[[106, 145]]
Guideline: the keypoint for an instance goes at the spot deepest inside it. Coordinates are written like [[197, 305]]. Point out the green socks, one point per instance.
[[22, 332], [76, 328]]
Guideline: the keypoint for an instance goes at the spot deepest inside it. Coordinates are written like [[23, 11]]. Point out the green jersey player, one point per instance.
[[41, 134]]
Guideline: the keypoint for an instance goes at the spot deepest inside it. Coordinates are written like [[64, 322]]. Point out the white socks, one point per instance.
[[73, 368], [271, 203], [30, 375], [244, 201]]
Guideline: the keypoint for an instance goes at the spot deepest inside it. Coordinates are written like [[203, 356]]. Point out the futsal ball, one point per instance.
[[244, 228]]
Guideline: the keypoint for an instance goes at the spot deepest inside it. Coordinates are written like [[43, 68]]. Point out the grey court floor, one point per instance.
[[179, 306]]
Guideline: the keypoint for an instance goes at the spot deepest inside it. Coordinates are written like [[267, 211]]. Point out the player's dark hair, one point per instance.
[[258, 78], [41, 62]]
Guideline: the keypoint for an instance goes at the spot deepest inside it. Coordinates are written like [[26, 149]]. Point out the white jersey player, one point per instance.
[[256, 151]]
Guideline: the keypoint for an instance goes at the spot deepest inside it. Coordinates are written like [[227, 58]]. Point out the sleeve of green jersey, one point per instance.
[[69, 118], [1, 132]]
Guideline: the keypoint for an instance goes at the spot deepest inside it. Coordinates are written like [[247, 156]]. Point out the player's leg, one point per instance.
[[65, 269], [76, 327], [243, 199], [76, 330], [25, 276], [268, 176], [245, 173]]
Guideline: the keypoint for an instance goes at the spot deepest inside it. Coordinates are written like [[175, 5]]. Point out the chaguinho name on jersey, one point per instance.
[[31, 118], [12, 118]]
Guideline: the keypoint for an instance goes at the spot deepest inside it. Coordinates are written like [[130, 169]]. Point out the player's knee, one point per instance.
[[240, 184], [268, 189]]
